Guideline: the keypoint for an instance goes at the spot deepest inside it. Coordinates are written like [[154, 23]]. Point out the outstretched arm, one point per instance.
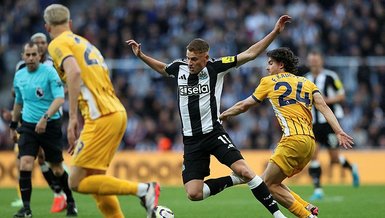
[[344, 139], [158, 66], [256, 49], [238, 108]]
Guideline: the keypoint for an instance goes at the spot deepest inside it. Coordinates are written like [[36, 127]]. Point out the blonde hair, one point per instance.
[[56, 14]]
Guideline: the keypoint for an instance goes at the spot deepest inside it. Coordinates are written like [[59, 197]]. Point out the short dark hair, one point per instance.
[[198, 45], [30, 44], [287, 57], [316, 51]]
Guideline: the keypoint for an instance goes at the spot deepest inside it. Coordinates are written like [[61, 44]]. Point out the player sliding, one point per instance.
[[200, 82]]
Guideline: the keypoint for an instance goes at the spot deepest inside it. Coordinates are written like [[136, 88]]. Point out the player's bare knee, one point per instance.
[[194, 195]]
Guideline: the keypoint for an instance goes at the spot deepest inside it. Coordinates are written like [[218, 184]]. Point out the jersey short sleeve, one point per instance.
[[173, 68], [55, 84], [18, 97], [261, 91], [224, 63], [59, 50]]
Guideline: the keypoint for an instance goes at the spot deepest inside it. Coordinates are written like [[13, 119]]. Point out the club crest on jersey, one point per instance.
[[202, 75], [39, 92], [185, 90]]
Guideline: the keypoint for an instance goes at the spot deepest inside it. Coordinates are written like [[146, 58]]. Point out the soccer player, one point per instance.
[[38, 95], [333, 92], [59, 203], [81, 65], [200, 82], [292, 98]]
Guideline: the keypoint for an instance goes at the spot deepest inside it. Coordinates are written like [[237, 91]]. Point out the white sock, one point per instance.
[[44, 167], [255, 182], [206, 191], [314, 164], [278, 214], [341, 159], [142, 189], [236, 179]]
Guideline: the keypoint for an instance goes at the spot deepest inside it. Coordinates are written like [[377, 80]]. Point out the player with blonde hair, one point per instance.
[[82, 67]]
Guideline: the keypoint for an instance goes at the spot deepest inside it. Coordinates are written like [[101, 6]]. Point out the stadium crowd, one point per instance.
[[164, 27]]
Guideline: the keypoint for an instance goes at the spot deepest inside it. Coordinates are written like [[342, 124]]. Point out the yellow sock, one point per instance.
[[109, 206], [297, 209], [107, 185], [299, 199]]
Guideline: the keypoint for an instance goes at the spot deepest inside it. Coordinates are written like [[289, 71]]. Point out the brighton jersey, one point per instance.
[[36, 91], [292, 99], [199, 94], [97, 95]]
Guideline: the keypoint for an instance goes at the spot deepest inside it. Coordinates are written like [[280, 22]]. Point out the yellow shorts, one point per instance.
[[293, 153], [99, 141]]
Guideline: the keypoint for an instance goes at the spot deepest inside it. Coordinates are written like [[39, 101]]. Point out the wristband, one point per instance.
[[46, 117], [13, 125]]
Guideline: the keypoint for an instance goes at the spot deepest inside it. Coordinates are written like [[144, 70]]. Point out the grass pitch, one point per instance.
[[339, 201]]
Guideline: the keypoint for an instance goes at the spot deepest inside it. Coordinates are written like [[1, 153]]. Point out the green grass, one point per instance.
[[340, 201]]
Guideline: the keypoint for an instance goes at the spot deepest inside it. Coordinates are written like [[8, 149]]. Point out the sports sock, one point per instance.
[[25, 187], [315, 172], [64, 184], [142, 189], [52, 181], [299, 199], [109, 206], [261, 192], [107, 185], [217, 185], [345, 163], [297, 209]]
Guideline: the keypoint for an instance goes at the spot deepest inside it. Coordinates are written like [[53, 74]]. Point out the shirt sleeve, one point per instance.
[[56, 84], [18, 97], [173, 68], [224, 63], [59, 50], [261, 91]]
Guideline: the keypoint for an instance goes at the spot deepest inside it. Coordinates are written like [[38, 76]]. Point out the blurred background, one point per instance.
[[351, 35]]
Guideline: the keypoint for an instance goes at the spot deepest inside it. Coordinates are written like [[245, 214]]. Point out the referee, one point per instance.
[[39, 94]]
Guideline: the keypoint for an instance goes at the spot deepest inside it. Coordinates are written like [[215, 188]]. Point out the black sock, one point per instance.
[[217, 185], [346, 164], [315, 173], [52, 181], [262, 193], [25, 187], [64, 184]]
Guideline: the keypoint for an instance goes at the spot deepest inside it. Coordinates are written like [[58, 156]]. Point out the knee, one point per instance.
[[194, 195], [245, 173], [57, 170]]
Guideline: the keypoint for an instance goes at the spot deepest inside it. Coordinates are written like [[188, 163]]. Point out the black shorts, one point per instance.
[[325, 135], [197, 151], [50, 141]]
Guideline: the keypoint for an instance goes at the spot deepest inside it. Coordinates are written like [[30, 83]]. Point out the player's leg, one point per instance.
[[273, 177], [257, 186], [94, 154], [337, 158], [17, 202], [308, 206], [315, 172], [109, 204], [59, 202]]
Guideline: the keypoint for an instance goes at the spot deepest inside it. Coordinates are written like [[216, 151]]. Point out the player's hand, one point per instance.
[[280, 25], [72, 134], [41, 126], [345, 140], [136, 47], [222, 117], [13, 135]]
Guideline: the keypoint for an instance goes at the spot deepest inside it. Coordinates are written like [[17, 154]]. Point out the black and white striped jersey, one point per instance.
[[329, 85], [199, 94]]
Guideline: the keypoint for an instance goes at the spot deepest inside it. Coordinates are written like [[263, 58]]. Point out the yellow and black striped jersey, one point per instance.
[[292, 99], [97, 97]]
